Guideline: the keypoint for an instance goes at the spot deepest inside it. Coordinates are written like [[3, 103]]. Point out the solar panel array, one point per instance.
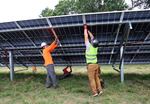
[[108, 28]]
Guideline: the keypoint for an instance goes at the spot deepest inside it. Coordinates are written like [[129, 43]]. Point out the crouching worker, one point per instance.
[[93, 68], [66, 72], [51, 80]]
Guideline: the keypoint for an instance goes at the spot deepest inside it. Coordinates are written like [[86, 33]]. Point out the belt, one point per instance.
[[91, 63]]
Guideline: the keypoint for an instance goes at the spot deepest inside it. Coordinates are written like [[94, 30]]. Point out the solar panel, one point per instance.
[[8, 25], [101, 18], [25, 37], [67, 20], [137, 15], [32, 23]]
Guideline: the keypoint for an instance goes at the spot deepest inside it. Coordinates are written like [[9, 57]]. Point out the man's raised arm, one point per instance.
[[91, 35], [86, 39]]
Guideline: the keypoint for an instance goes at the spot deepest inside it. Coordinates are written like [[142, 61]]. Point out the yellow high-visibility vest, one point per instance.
[[91, 55]]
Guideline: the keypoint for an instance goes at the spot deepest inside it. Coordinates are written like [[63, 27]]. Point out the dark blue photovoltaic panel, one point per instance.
[[136, 15], [4, 43], [21, 43], [66, 20], [8, 25], [144, 49], [132, 49], [104, 50], [142, 58], [13, 35], [30, 52], [33, 23], [40, 33], [107, 17]]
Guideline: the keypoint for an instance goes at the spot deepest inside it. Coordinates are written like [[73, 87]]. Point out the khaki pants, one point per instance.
[[93, 75]]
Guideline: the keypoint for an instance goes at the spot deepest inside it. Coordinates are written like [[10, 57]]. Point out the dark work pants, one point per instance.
[[51, 76]]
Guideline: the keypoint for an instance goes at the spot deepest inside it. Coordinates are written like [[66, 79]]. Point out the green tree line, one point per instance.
[[65, 7]]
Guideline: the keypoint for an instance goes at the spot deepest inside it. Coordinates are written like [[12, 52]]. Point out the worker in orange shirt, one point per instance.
[[51, 79]]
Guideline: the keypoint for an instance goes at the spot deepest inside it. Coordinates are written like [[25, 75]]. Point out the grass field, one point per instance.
[[29, 89]]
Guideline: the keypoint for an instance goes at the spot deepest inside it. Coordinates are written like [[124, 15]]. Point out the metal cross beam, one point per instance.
[[75, 54], [116, 38], [11, 50], [6, 50], [80, 46], [49, 23], [20, 62], [27, 35], [126, 32], [84, 19], [7, 41]]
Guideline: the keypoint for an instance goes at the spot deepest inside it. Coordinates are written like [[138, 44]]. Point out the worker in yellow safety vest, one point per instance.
[[93, 68]]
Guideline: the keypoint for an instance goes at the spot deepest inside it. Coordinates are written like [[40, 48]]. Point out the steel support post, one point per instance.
[[122, 64], [11, 65]]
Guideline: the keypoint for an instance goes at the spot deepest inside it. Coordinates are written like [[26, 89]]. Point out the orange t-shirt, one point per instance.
[[47, 54]]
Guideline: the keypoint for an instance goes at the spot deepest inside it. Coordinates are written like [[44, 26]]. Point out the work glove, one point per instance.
[[85, 26]]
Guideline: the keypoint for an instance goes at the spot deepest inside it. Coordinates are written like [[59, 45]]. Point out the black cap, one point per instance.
[[94, 43]]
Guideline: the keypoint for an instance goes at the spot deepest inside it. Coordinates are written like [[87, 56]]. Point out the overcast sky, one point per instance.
[[11, 10]]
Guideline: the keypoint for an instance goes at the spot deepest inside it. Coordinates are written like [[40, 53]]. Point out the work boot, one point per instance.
[[96, 94], [48, 85], [100, 92], [55, 86]]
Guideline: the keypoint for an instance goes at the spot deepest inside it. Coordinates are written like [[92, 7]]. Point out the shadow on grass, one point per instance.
[[109, 77]]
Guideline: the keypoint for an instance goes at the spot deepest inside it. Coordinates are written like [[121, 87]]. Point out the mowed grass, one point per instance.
[[28, 88]]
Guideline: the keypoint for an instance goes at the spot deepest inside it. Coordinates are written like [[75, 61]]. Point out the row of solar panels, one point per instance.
[[76, 55], [107, 27], [74, 35], [93, 18], [77, 60], [81, 51]]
